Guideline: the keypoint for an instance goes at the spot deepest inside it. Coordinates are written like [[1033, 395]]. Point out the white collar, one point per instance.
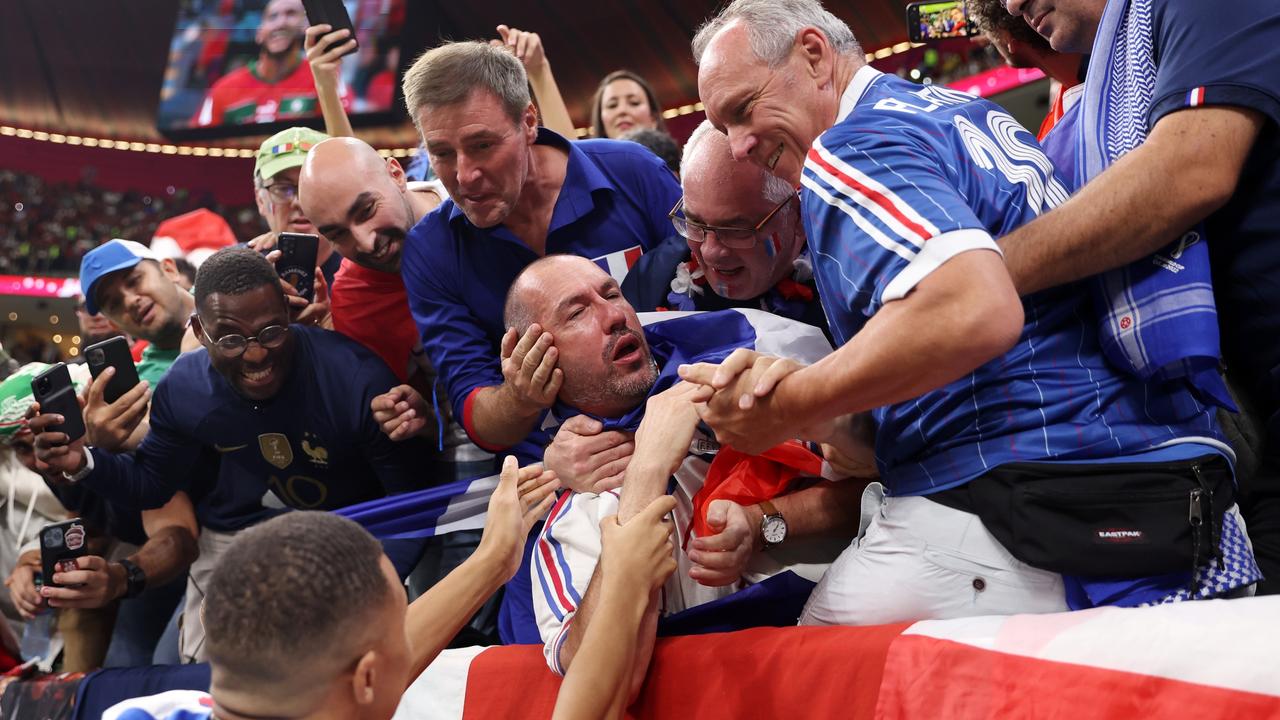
[[857, 87]]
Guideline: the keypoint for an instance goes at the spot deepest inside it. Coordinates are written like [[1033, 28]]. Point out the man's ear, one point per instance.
[[816, 53], [363, 679], [397, 174], [263, 200], [530, 122], [170, 269]]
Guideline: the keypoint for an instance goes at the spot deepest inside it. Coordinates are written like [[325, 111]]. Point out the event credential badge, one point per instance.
[[276, 449]]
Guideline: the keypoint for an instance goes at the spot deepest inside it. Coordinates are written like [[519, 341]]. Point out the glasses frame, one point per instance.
[[223, 350], [281, 196], [738, 244]]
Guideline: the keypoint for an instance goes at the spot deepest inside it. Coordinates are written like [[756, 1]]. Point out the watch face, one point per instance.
[[774, 530]]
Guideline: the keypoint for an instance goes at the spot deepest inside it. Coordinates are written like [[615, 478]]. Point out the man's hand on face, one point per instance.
[[529, 373], [663, 438], [639, 554], [401, 412], [587, 459], [721, 558], [109, 425], [22, 585], [324, 52], [742, 410], [87, 582], [522, 498], [54, 448]]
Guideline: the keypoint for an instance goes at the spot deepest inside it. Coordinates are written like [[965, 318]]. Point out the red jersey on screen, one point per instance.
[[241, 97], [372, 308]]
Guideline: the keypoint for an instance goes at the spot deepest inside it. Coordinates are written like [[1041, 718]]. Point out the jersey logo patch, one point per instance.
[[276, 449], [315, 453]]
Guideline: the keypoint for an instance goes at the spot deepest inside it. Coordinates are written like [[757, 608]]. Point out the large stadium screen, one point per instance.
[[236, 67]]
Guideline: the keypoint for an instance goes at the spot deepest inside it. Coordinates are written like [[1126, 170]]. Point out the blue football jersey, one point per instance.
[[911, 176]]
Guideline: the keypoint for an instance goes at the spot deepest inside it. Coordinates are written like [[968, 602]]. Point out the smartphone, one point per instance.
[[58, 542], [113, 353], [297, 263], [332, 13], [55, 393], [937, 20]]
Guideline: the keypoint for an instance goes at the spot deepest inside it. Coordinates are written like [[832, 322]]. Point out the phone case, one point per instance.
[[297, 263], [329, 12], [55, 393], [113, 353], [61, 541]]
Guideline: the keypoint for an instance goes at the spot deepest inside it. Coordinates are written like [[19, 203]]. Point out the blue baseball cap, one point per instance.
[[105, 259]]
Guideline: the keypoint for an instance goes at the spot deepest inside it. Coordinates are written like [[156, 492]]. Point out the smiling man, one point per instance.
[[281, 410], [276, 85], [740, 244]]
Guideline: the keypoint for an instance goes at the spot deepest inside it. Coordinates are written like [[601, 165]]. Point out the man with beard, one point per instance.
[[277, 85], [281, 409], [625, 376], [365, 207]]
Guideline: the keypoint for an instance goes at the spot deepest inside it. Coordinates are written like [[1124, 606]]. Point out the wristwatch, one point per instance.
[[135, 579], [773, 527]]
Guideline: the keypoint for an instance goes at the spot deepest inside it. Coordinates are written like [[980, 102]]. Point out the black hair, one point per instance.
[[660, 143], [290, 589], [233, 270], [186, 269], [992, 17]]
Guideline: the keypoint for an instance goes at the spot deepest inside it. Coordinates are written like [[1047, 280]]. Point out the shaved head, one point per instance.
[[358, 200]]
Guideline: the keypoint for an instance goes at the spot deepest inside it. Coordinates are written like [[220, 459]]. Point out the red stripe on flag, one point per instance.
[[927, 677], [872, 195], [803, 672]]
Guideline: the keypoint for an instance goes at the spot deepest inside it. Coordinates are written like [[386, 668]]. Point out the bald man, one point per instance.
[[365, 206]]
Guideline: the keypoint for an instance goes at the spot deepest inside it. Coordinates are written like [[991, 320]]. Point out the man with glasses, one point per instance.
[[282, 411], [275, 182], [741, 242]]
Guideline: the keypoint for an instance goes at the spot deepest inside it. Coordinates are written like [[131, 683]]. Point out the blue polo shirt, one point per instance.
[[1226, 54], [314, 446], [612, 208]]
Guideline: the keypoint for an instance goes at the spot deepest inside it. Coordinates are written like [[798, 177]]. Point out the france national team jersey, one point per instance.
[[911, 176]]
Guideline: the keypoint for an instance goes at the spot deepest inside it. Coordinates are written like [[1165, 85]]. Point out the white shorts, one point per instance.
[[915, 559]]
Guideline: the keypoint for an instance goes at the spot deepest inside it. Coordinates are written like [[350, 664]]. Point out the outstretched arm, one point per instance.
[[522, 497]]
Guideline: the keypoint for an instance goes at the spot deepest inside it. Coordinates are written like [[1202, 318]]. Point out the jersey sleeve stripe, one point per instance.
[[547, 571], [936, 252], [874, 196], [809, 180]]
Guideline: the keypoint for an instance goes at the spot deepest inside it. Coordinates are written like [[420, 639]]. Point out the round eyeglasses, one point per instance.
[[233, 346]]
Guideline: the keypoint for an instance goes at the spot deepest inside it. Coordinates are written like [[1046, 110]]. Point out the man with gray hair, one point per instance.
[[981, 401], [517, 192]]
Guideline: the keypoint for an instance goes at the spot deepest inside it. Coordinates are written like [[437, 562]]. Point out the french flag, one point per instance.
[[1192, 660], [619, 263], [1195, 97]]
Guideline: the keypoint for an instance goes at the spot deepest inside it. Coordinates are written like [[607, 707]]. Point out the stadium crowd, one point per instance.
[[942, 366]]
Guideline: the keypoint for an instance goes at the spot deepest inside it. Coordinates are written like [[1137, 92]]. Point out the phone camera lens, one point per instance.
[[97, 357], [44, 385]]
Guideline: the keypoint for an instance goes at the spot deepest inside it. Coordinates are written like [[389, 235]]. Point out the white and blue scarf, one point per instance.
[[1158, 318]]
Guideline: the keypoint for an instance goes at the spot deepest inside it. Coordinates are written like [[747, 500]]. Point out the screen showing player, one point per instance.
[[239, 63], [934, 21]]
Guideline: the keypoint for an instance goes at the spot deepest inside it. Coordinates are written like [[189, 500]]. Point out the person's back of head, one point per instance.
[[660, 143], [294, 607], [1017, 43]]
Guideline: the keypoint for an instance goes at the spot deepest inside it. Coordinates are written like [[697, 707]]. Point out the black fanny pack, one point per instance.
[[1119, 520]]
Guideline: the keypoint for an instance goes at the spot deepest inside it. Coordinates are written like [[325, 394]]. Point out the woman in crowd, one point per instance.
[[624, 102]]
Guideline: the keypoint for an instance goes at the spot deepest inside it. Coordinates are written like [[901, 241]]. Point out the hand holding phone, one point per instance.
[[61, 542], [113, 353], [334, 14], [56, 395], [297, 262]]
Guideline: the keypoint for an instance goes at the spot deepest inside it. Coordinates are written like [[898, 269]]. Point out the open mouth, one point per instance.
[[772, 162], [257, 378], [726, 272], [626, 349], [145, 314]]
